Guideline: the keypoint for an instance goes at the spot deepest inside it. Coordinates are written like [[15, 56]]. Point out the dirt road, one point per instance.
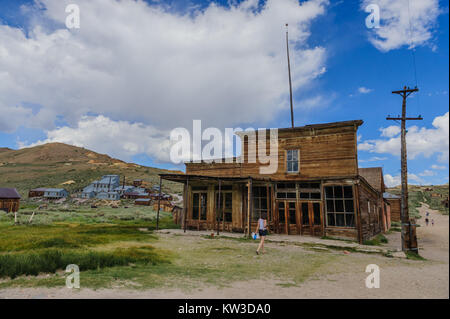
[[399, 278]]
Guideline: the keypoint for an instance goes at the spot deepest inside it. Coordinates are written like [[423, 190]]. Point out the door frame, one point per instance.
[[312, 230]]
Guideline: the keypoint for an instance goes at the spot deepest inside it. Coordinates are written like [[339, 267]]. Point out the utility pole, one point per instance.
[[404, 210], [290, 81]]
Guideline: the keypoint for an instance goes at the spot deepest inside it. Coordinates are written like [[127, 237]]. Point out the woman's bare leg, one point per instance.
[[261, 244]]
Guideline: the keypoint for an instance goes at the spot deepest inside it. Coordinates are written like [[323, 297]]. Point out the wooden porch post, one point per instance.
[[218, 209], [358, 212], [159, 203], [250, 206], [186, 203]]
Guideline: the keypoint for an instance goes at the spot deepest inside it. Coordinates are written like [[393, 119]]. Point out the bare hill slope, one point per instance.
[[55, 164]]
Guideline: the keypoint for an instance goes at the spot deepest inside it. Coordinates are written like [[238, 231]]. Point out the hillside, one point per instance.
[[432, 195], [71, 167]]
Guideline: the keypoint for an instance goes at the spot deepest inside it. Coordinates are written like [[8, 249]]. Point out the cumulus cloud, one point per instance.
[[439, 167], [373, 159], [395, 29], [119, 139], [392, 181], [132, 61], [420, 141], [390, 131], [427, 172], [364, 90]]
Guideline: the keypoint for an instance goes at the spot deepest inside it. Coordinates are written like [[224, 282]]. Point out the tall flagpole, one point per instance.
[[289, 71]]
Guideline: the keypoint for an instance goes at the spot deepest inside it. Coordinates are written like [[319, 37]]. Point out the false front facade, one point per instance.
[[316, 188]]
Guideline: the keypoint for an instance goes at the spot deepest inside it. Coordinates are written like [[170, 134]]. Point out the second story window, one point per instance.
[[292, 161]]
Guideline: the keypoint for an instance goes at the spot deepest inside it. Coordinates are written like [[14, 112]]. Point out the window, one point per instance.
[[340, 206], [292, 161], [199, 206], [291, 213], [281, 217], [261, 202], [286, 191], [309, 190]]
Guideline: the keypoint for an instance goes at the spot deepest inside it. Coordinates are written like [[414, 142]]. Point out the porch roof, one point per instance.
[[182, 178]]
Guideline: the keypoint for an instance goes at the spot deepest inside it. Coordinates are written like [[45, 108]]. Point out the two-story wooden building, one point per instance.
[[316, 190]]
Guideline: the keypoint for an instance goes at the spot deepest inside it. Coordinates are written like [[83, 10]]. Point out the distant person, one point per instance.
[[426, 221], [262, 231], [432, 222], [427, 214]]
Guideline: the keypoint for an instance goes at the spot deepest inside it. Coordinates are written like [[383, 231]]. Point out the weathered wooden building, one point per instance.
[[317, 188], [36, 192], [395, 203], [9, 200]]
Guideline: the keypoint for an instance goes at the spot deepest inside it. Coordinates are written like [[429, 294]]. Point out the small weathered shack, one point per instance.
[[177, 214], [9, 200], [36, 192], [395, 203], [143, 201], [316, 189], [137, 182]]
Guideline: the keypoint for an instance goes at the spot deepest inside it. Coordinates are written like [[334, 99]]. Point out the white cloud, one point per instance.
[[119, 139], [373, 159], [420, 141], [364, 90], [392, 181], [131, 61], [390, 131], [426, 173], [395, 29], [440, 167]]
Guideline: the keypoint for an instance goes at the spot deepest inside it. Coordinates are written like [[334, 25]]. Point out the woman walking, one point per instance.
[[262, 230]]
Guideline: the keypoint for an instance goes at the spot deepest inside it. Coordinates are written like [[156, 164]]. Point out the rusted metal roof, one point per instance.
[[9, 193]]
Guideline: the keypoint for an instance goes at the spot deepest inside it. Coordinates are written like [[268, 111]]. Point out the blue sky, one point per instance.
[[346, 75]]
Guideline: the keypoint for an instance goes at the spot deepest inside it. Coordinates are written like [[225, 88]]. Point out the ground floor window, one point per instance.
[[199, 205], [261, 202], [340, 206]]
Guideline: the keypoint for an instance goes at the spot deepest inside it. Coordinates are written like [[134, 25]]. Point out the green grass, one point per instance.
[[51, 260], [414, 256], [376, 241], [91, 239]]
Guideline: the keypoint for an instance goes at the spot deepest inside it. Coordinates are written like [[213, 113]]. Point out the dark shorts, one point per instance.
[[262, 232]]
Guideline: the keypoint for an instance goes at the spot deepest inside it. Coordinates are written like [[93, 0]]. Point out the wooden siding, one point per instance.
[[9, 204], [370, 218], [327, 152], [395, 208]]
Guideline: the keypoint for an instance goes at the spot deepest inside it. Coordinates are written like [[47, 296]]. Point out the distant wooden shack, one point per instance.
[[177, 214], [137, 182], [395, 203], [9, 200], [36, 192], [143, 201]]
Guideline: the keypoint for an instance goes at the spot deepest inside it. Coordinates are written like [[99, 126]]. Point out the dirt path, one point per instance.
[[400, 278]]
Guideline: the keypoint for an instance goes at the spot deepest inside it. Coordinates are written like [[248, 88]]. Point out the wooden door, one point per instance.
[[311, 218], [288, 217]]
